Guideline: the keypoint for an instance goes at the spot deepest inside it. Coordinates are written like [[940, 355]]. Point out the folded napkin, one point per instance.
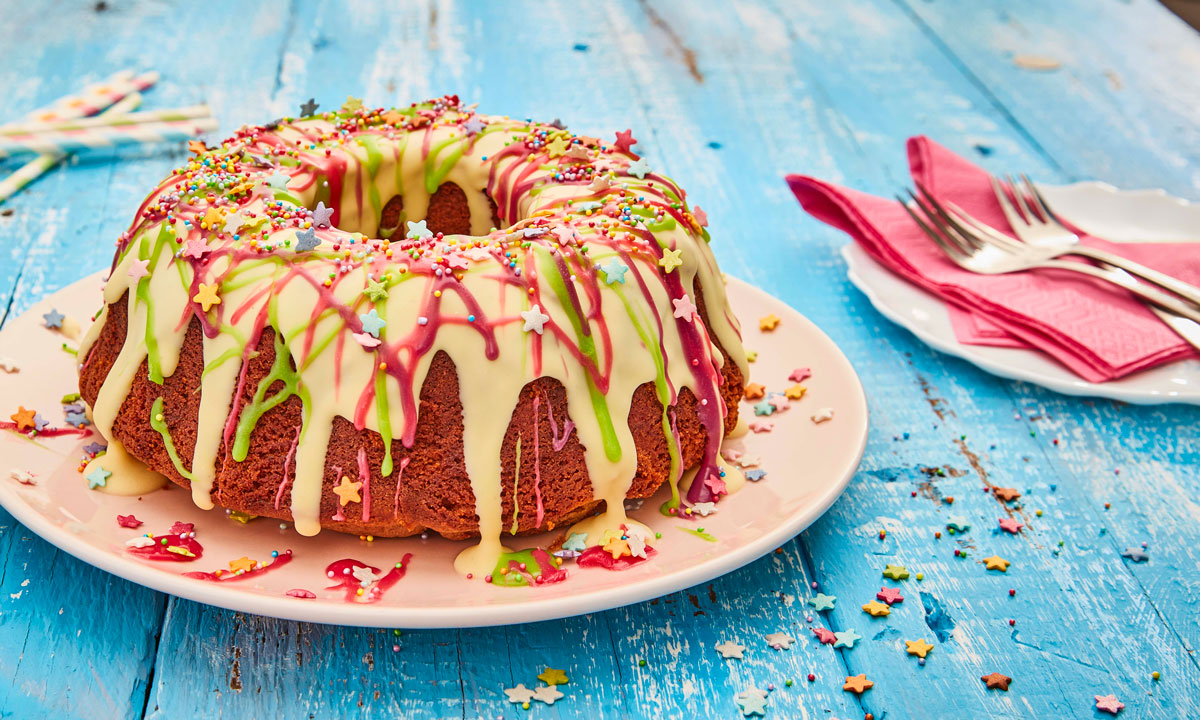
[[1099, 331]]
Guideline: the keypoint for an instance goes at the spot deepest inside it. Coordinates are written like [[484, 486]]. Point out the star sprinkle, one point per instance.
[[617, 547], [195, 249], [822, 602], [1135, 554], [139, 269], [207, 296], [764, 408], [22, 476], [700, 216], [473, 125], [891, 596], [347, 491], [996, 681], [895, 572], [636, 537], [876, 609], [799, 375], [547, 694], [535, 319], [761, 426], [730, 650], [476, 254], [754, 391], [233, 222], [364, 575], [996, 562], [752, 701], [769, 322], [1010, 525], [552, 676], [40, 423], [375, 291], [625, 140], [639, 168], [307, 240], [684, 307], [368, 341], [846, 639], [1006, 494], [1109, 704], [309, 108], [54, 319], [671, 259], [577, 542], [755, 475], [352, 104], [93, 448], [24, 418], [520, 694], [795, 392], [577, 152], [857, 684], [704, 509], [780, 641], [557, 124], [76, 419], [128, 521], [556, 147], [418, 230], [372, 323], [920, 648], [321, 216], [98, 478], [825, 636], [278, 180], [242, 564], [822, 415], [614, 271], [600, 183]]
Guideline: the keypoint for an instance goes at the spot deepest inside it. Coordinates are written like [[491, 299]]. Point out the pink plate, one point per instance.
[[807, 466]]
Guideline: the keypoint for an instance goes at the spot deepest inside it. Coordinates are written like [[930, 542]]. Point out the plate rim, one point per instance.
[[535, 610]]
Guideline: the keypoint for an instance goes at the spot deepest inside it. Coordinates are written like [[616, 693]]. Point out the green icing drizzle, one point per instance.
[[435, 174], [587, 346], [158, 423], [698, 532], [509, 578], [142, 291], [281, 371], [370, 143]]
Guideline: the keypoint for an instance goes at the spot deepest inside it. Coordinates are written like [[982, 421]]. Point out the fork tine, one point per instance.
[[970, 236], [1031, 218], [989, 233], [1010, 213], [965, 241], [954, 253], [1036, 194]]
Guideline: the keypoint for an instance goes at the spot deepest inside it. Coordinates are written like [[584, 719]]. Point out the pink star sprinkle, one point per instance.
[[139, 269], [891, 596], [715, 483], [180, 528], [1010, 525], [366, 340], [625, 140], [684, 307], [128, 521], [701, 216], [565, 234], [1109, 704], [731, 454], [195, 249], [762, 426], [824, 635], [800, 375], [455, 262]]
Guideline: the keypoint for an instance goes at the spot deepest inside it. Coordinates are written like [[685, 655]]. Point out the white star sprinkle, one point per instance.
[[547, 694], [780, 641], [364, 575], [823, 415], [520, 694], [535, 319], [9, 365], [731, 650], [704, 509]]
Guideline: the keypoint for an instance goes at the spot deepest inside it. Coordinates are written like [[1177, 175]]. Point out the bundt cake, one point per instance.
[[388, 321]]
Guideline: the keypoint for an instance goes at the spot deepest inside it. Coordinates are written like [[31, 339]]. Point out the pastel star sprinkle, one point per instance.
[[1006, 494], [822, 602], [891, 596], [195, 249], [1137, 555], [206, 295], [1109, 704], [876, 609], [730, 650], [617, 547], [375, 291], [614, 271], [535, 319], [754, 391], [552, 676], [520, 694], [372, 323], [309, 108], [825, 636], [846, 638], [996, 562], [768, 322], [996, 681], [242, 564], [347, 491], [799, 375], [600, 183], [322, 215], [761, 426], [700, 216], [684, 307], [24, 418], [54, 319], [9, 365], [352, 104], [368, 341], [780, 641], [233, 222], [364, 575], [473, 125], [547, 694], [418, 230], [920, 648], [857, 684], [76, 419], [755, 475], [639, 168], [307, 240], [795, 392], [822, 415], [1010, 525], [22, 476], [278, 180], [98, 477], [895, 572], [704, 509], [576, 542], [625, 140], [752, 701], [139, 269], [556, 147]]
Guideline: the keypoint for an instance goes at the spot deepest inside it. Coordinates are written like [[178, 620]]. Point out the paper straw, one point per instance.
[[34, 169], [107, 119], [105, 137], [94, 98]]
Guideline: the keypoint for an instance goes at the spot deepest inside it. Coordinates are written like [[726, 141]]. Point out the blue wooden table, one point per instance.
[[727, 97]]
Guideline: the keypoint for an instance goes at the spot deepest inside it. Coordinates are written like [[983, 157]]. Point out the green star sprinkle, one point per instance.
[[822, 602], [895, 572], [375, 291]]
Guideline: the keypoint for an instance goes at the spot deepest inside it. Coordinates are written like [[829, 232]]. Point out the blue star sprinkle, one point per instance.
[[372, 323], [822, 602], [614, 271], [639, 168], [39, 422], [419, 230], [764, 408], [306, 240], [320, 216], [98, 478], [846, 639], [278, 180], [755, 475], [309, 108], [77, 419], [54, 319], [1135, 554], [577, 542]]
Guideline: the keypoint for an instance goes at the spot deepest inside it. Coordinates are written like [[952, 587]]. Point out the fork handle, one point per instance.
[[1123, 280], [1175, 285]]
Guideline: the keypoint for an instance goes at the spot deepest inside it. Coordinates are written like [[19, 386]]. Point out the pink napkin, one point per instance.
[[1098, 331]]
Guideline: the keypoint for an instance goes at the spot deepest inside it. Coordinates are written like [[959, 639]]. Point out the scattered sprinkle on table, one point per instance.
[[729, 650], [769, 322], [996, 562], [553, 676], [996, 681], [857, 684], [876, 609], [780, 640], [895, 572], [1109, 704], [821, 602], [1010, 525], [920, 648]]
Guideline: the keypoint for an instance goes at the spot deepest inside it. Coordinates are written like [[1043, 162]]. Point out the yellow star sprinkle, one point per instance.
[[795, 392], [212, 218], [876, 609], [243, 564], [617, 547], [996, 562], [553, 677], [671, 259], [557, 147], [920, 648], [347, 491], [768, 323], [207, 296], [751, 355]]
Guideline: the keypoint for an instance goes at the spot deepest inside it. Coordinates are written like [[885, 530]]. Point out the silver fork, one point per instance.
[[976, 253]]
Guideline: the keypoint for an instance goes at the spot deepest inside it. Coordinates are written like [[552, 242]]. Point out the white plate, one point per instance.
[[1095, 207], [808, 466]]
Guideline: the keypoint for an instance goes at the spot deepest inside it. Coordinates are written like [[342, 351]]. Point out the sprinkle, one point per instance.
[[1109, 704], [769, 322], [9, 365], [242, 564], [752, 701], [996, 562], [684, 308], [21, 476], [76, 419], [824, 635], [795, 392], [520, 694], [822, 415], [614, 271], [278, 180], [857, 684], [347, 491], [577, 542], [1006, 494], [700, 216], [799, 375], [535, 319], [730, 650], [366, 340], [754, 391], [375, 291], [207, 296], [891, 596], [547, 694], [1135, 555], [321, 216], [128, 521], [138, 269], [24, 418], [307, 240], [876, 609], [372, 323], [764, 408], [846, 638], [761, 426], [195, 249], [822, 602], [617, 547], [98, 477], [1010, 525], [625, 139], [895, 572], [352, 104], [551, 676], [308, 108], [640, 168], [920, 648], [755, 475], [996, 681], [474, 125], [418, 230], [54, 319]]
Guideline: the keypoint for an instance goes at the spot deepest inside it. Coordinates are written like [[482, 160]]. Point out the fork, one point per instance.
[[1038, 227], [975, 253]]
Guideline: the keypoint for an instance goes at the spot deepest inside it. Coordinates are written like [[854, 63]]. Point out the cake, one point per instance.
[[392, 321]]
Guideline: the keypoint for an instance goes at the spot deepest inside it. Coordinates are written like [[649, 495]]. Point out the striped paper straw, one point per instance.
[[105, 137], [108, 119], [34, 169], [95, 98]]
